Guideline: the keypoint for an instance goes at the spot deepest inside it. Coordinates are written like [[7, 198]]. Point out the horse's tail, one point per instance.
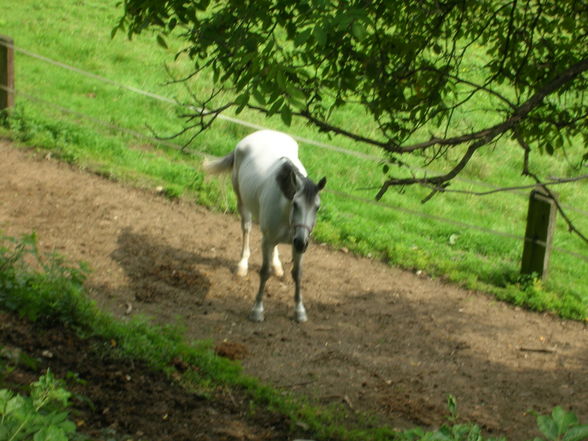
[[221, 165]]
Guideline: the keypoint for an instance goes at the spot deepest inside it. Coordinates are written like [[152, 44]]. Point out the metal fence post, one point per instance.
[[6, 72], [539, 234]]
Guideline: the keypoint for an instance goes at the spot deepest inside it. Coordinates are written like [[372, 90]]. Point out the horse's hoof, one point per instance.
[[301, 316], [256, 315], [241, 271]]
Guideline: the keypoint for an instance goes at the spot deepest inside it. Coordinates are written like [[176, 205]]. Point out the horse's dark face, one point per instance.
[[305, 205], [305, 201]]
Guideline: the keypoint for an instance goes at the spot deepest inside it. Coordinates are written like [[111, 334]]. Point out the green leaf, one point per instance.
[[51, 433], [302, 37], [114, 31], [14, 405], [547, 426], [564, 420], [161, 41], [259, 97], [452, 406], [5, 397], [276, 106], [281, 79], [203, 5], [215, 75], [68, 426], [242, 99], [358, 30], [578, 433], [286, 115], [320, 36], [296, 96]]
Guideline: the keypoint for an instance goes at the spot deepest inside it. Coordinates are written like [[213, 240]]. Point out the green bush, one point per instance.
[[51, 293], [42, 416], [561, 426]]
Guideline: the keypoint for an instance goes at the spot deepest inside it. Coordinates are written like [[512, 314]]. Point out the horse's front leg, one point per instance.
[[296, 275], [256, 314]]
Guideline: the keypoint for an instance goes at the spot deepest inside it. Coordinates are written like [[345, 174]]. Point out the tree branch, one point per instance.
[[555, 181], [517, 116], [436, 180]]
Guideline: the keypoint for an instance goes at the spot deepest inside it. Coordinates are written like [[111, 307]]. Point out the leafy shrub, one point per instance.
[[41, 288], [41, 417], [561, 426]]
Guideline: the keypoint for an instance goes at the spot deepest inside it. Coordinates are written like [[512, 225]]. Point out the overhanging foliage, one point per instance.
[[418, 68]]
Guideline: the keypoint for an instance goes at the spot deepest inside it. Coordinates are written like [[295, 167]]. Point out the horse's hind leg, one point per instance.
[[246, 223], [256, 314], [276, 264]]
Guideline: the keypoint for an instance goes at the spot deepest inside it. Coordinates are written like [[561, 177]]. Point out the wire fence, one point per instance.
[[238, 121], [241, 122]]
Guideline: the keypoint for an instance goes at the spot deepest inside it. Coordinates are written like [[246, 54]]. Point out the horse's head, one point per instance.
[[305, 202]]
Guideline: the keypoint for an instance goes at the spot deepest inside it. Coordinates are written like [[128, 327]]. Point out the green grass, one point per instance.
[[79, 34]]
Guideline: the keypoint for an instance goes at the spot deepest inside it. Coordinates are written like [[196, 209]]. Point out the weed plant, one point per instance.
[[42, 416]]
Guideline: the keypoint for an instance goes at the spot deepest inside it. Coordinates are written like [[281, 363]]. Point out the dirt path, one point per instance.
[[378, 339]]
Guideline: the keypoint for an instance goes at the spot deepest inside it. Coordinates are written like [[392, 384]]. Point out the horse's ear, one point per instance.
[[286, 179], [321, 184]]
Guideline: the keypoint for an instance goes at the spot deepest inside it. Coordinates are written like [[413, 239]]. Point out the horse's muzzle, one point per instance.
[[300, 244], [301, 237]]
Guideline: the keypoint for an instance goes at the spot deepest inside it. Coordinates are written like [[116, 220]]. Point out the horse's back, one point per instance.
[[258, 154], [258, 158]]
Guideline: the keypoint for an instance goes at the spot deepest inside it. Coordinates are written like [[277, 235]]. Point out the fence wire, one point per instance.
[[171, 101], [244, 123], [241, 122]]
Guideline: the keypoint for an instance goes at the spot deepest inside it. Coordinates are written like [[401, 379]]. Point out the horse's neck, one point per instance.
[[299, 166], [274, 215]]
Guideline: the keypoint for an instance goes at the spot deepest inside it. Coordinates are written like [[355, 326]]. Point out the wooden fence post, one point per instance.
[[6, 72], [539, 233]]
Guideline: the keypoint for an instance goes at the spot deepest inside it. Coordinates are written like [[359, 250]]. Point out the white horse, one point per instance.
[[273, 190]]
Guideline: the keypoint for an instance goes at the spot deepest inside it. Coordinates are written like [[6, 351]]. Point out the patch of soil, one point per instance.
[[378, 340], [118, 398]]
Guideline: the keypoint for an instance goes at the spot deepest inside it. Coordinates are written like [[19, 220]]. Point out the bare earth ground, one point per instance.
[[113, 399], [378, 339]]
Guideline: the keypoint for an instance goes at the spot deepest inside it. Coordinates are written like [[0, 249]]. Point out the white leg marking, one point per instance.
[[256, 314], [243, 265], [277, 267], [301, 316]]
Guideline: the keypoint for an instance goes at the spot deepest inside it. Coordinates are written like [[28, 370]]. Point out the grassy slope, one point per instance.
[[79, 34]]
